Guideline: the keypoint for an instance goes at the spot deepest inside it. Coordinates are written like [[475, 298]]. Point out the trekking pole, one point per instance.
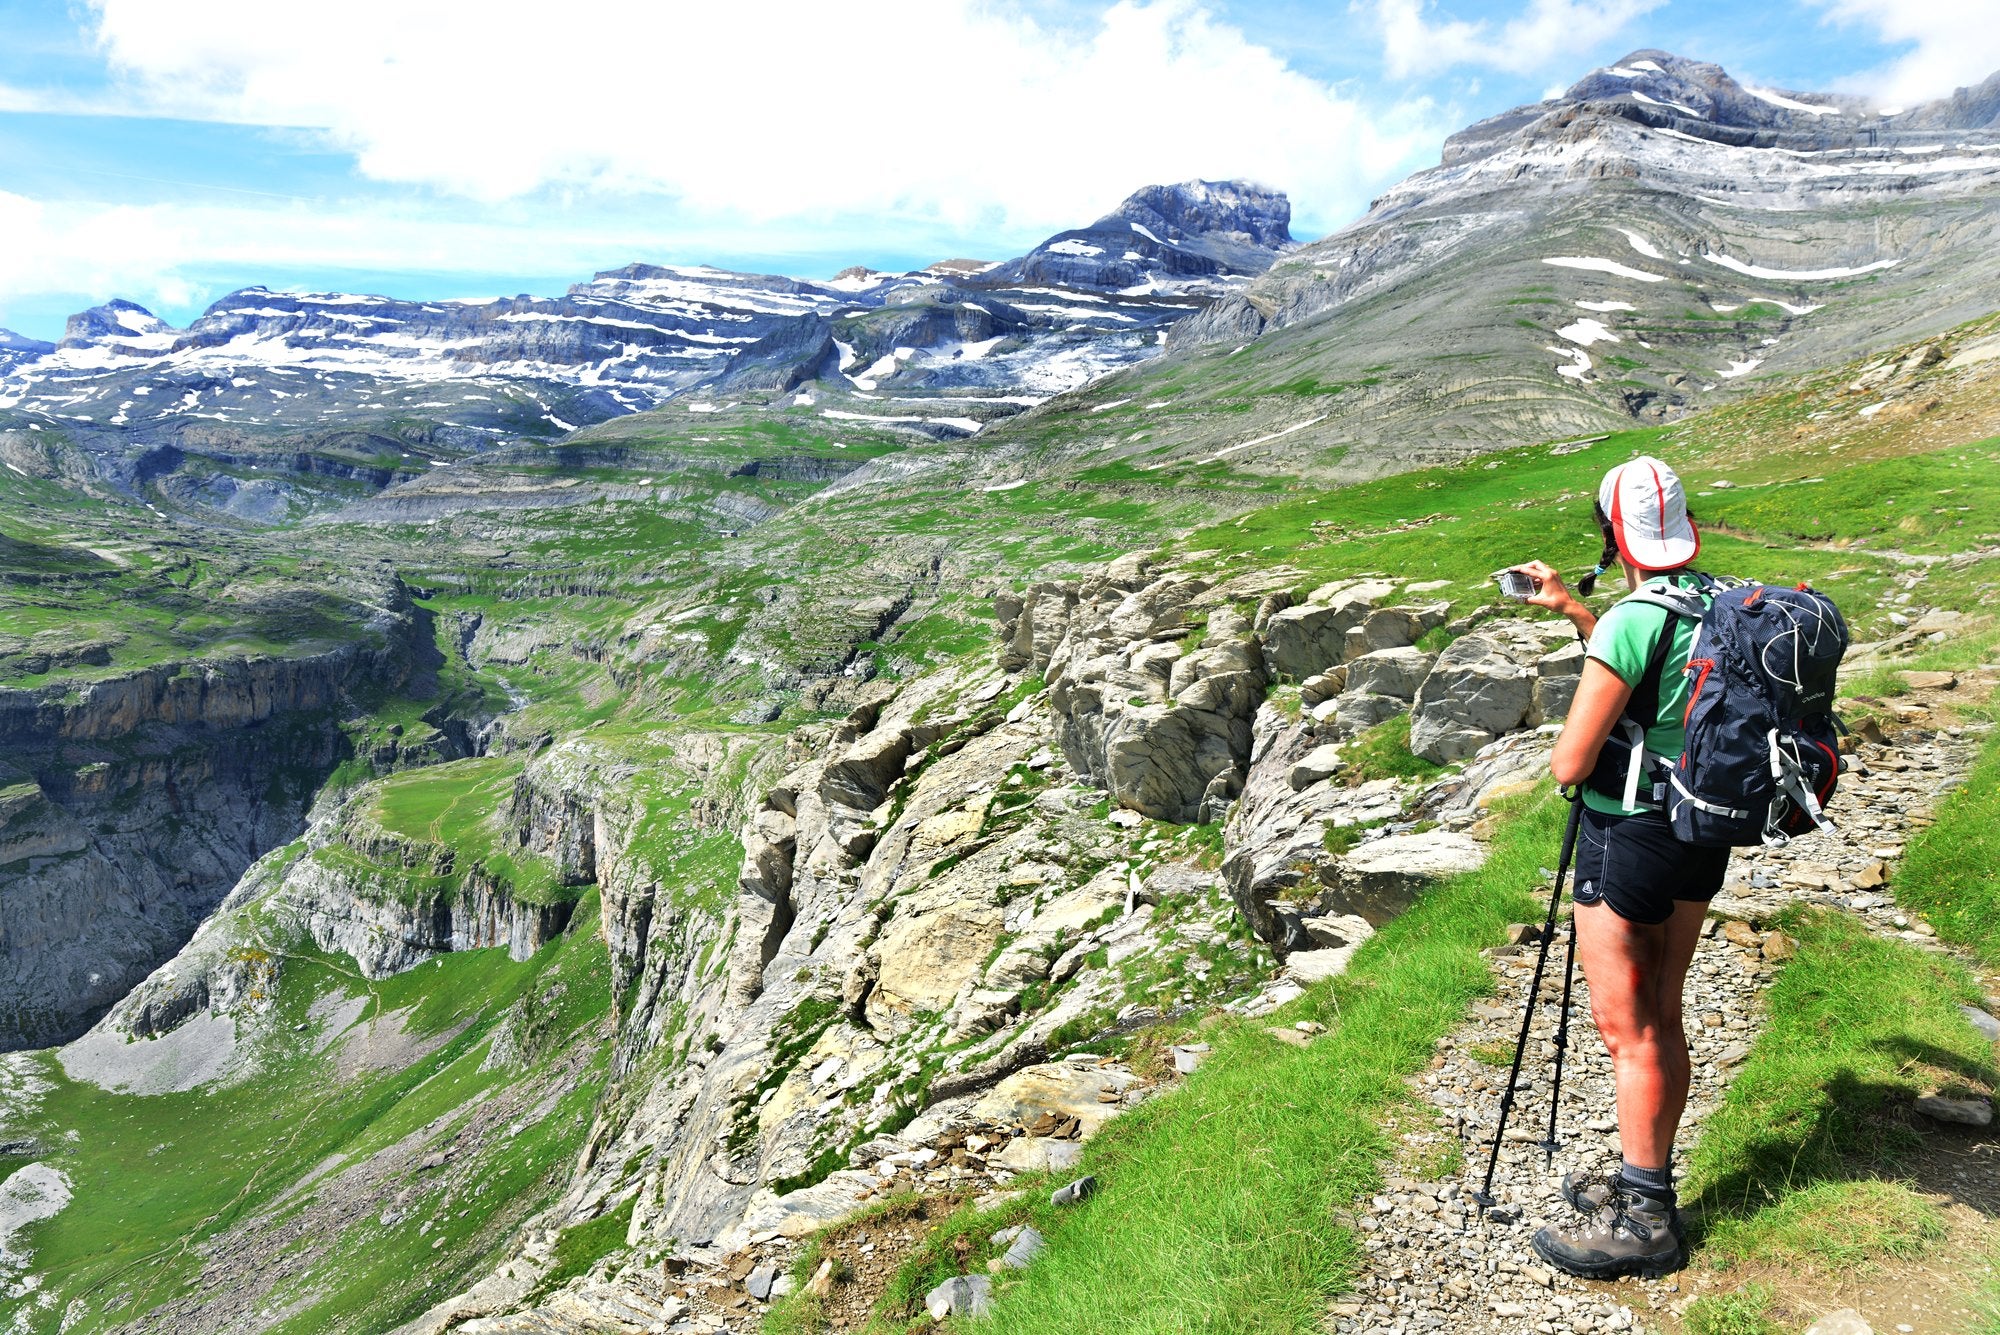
[[1483, 1198], [1549, 1142]]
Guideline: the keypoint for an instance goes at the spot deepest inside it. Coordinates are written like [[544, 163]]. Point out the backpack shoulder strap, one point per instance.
[[1690, 604]]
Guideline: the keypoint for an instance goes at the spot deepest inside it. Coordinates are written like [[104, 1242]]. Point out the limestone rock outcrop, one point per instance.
[[1164, 727], [1484, 684]]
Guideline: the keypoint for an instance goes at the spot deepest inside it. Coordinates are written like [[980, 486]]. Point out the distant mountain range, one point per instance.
[[1657, 236], [999, 335]]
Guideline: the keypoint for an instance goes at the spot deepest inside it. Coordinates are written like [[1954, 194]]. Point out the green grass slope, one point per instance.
[[283, 1182]]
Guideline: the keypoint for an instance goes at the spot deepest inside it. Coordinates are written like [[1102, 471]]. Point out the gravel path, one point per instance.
[[1434, 1264]]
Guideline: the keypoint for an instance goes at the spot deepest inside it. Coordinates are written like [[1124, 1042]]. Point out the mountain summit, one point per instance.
[[1657, 234], [1165, 236], [1666, 92]]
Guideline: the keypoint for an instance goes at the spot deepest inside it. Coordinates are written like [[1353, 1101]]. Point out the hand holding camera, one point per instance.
[[1538, 584]]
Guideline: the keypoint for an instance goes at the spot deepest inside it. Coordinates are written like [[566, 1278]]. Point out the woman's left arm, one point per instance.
[[1600, 699]]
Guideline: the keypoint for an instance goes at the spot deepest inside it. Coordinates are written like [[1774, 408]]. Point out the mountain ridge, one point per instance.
[[636, 336]]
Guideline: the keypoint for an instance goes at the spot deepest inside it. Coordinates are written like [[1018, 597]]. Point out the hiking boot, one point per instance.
[[1628, 1234], [1587, 1194]]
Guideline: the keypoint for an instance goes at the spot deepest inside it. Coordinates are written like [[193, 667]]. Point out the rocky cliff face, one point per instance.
[[1164, 729], [17, 348], [129, 807], [979, 870]]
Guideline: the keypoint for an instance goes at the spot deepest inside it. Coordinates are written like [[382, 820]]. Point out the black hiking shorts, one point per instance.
[[1634, 864]]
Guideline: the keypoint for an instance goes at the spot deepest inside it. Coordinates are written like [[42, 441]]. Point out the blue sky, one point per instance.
[[169, 151]]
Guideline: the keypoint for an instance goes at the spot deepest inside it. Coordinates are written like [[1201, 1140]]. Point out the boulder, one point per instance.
[[1161, 605], [1393, 628], [1395, 672], [1379, 880], [1158, 760], [1482, 685], [1965, 1112], [1551, 699], [1065, 1089], [1022, 1249], [1515, 764], [1556, 676], [861, 777], [1366, 591], [1031, 1154], [1304, 640], [1983, 1022], [984, 1011], [1358, 711], [961, 1295], [1018, 966], [1322, 686], [1321, 762], [1338, 931]]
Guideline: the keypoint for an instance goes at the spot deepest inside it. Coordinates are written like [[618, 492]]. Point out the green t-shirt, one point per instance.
[[1624, 642]]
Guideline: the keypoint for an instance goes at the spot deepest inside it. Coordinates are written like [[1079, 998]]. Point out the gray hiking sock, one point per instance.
[[1657, 1183]]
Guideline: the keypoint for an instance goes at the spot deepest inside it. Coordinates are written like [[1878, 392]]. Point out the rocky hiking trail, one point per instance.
[[1436, 1264]]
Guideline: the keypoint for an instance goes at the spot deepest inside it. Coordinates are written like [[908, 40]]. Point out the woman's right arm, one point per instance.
[[1555, 596]]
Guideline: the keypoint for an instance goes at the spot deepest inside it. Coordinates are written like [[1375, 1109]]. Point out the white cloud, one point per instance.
[[154, 253], [947, 110], [1547, 33], [1951, 46]]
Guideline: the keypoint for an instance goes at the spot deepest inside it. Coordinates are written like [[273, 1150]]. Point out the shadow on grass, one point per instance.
[[1816, 1144]]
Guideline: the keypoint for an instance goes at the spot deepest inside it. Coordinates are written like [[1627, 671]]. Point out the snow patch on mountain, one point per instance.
[[1777, 99], [1596, 265], [1795, 275]]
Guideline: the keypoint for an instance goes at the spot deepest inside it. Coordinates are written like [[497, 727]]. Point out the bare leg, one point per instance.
[[1625, 963], [1683, 934]]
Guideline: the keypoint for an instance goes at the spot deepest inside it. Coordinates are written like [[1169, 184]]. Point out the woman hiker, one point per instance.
[[1640, 895]]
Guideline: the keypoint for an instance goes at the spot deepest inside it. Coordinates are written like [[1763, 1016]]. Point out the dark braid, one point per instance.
[[1605, 559]]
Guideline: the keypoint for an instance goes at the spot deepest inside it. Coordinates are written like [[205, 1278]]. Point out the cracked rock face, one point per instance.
[[1165, 729], [1483, 685], [132, 808]]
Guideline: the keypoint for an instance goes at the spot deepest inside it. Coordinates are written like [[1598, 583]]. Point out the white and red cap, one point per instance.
[[1649, 514]]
